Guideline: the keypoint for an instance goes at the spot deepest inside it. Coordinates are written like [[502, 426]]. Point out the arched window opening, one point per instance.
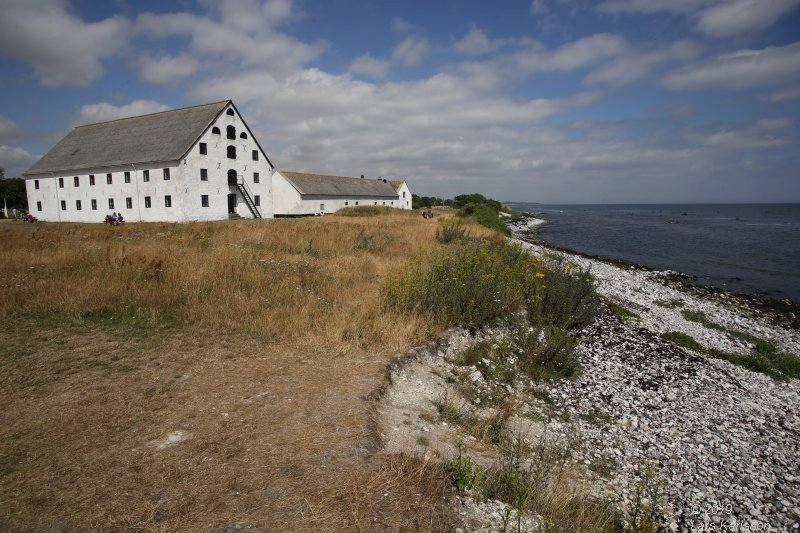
[[230, 112], [243, 135], [231, 177], [231, 132], [215, 130], [231, 152]]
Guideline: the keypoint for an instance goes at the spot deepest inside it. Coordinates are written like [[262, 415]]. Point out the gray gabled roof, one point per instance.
[[321, 185], [158, 137]]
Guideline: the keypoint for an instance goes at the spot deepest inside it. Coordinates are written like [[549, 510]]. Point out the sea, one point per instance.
[[746, 248]]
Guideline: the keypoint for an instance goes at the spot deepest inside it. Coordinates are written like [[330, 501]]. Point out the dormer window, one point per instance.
[[231, 132]]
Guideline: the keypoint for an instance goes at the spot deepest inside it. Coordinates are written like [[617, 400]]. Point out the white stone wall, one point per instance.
[[184, 187], [404, 196]]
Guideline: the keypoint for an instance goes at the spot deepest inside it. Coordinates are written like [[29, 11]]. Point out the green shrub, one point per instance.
[[472, 283], [548, 353], [485, 215], [566, 297], [450, 232]]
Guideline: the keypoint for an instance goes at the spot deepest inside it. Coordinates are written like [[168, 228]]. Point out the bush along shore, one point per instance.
[[571, 394]]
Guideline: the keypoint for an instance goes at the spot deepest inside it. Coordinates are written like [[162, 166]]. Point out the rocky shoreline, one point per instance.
[[719, 444]]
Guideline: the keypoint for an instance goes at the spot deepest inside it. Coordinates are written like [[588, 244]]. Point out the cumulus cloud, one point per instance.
[[62, 49], [774, 65], [241, 32], [715, 18], [401, 25], [476, 43], [584, 52], [15, 160], [539, 7], [371, 67], [411, 50], [167, 70], [742, 16], [8, 129], [103, 111], [636, 64]]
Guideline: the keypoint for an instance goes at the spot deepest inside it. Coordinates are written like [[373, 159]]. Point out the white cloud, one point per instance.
[[8, 129], [167, 70], [539, 7], [16, 160], [235, 33], [785, 95], [62, 49], [476, 43], [584, 52], [411, 50], [369, 66], [401, 25], [765, 133], [715, 18], [637, 64], [774, 65], [103, 111], [742, 16]]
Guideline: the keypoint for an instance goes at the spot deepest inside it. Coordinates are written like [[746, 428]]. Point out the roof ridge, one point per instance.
[[150, 114]]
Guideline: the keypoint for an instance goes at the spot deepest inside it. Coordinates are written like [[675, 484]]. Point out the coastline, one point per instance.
[[782, 311], [723, 441]]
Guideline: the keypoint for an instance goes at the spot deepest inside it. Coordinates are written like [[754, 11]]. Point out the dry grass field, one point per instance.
[[250, 344]]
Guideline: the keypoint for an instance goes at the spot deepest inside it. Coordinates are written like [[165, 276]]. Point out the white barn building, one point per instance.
[[299, 193], [196, 163]]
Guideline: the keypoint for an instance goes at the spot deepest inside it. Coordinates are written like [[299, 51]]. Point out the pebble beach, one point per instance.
[[723, 441]]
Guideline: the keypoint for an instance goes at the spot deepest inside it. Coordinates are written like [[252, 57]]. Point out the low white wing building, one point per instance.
[[196, 163], [299, 193]]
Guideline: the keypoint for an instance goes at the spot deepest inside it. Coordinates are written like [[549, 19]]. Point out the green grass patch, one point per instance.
[[621, 311], [683, 340], [670, 304]]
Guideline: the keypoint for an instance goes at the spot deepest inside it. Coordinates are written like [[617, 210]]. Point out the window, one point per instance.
[[376, 203], [203, 174], [215, 130], [78, 205], [91, 179], [347, 203], [63, 205], [230, 132], [256, 177], [127, 177], [321, 208], [129, 202], [60, 183], [255, 155], [168, 201], [145, 175], [204, 200], [356, 202], [36, 186], [243, 135], [166, 174], [147, 202], [111, 203], [203, 149], [230, 112], [108, 179], [77, 181], [94, 205], [38, 206], [257, 200], [231, 152]]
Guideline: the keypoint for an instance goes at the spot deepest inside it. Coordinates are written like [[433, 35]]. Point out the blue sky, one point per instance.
[[610, 101]]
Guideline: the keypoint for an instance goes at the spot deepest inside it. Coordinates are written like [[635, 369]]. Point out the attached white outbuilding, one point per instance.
[[196, 163], [300, 193]]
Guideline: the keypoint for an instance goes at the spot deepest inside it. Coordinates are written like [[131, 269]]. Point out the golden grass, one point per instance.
[[257, 339]]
